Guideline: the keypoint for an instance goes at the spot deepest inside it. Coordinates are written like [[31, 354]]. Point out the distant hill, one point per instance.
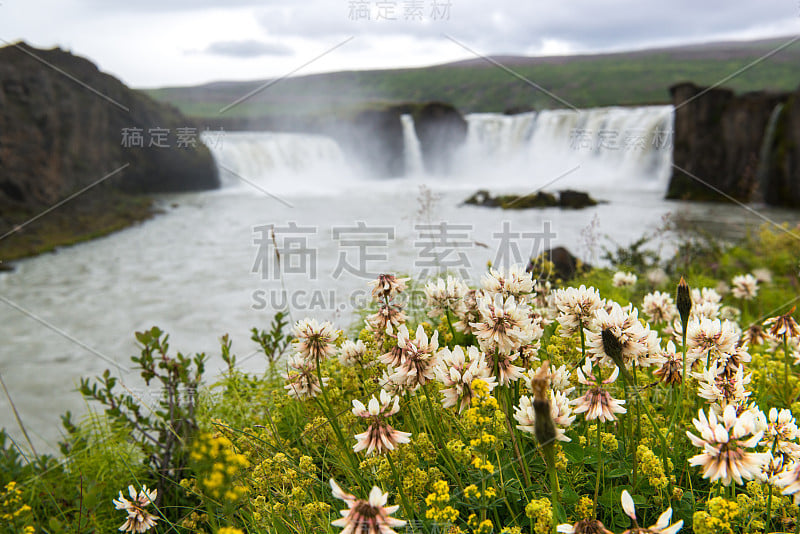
[[476, 85]]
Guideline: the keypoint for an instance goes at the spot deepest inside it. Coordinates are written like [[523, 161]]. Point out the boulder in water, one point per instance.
[[556, 262], [569, 199]]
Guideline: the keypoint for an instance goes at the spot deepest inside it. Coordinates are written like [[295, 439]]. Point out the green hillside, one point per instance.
[[630, 78]]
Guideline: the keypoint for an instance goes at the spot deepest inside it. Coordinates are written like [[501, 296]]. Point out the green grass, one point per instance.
[[585, 81]]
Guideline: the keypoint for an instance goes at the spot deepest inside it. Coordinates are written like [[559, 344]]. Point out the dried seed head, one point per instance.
[[544, 428]]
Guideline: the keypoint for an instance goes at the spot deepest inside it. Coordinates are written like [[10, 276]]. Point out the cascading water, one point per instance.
[[602, 147], [598, 148], [278, 160], [412, 148]]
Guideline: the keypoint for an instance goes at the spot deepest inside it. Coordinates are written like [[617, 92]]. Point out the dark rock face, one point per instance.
[[441, 130], [57, 135], [374, 138], [719, 139], [782, 180]]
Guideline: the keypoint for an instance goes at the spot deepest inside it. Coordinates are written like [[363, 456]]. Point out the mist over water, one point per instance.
[[596, 149], [203, 268]]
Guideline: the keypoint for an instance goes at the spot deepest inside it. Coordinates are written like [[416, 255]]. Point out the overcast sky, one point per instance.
[[151, 43]]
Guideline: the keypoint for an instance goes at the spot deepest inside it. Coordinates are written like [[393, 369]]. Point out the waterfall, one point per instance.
[[608, 146], [597, 148], [412, 149], [278, 160], [765, 153]]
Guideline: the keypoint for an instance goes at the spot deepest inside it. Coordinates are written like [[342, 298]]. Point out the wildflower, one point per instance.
[[705, 337], [505, 325], [514, 282], [597, 402], [418, 358], [659, 307], [754, 335], [560, 412], [745, 287], [724, 454], [559, 379], [386, 286], [315, 340], [370, 516], [576, 306], [540, 512], [632, 338], [783, 432], [507, 371], [139, 520], [783, 325], [445, 295], [662, 524], [722, 388], [302, 380], [457, 371], [386, 319], [352, 353], [584, 526], [656, 277], [671, 363], [762, 275], [623, 279], [379, 436], [789, 480], [469, 312]]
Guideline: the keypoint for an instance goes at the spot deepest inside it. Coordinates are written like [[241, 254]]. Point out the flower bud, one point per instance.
[[683, 301]]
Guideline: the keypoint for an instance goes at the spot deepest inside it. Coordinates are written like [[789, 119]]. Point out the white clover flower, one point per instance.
[[659, 307], [709, 338], [745, 287], [457, 371], [576, 306], [514, 282], [315, 340], [636, 341], [353, 353], [446, 294], [418, 359], [387, 286], [138, 520], [597, 403], [560, 410], [623, 279], [722, 388], [505, 325], [724, 443], [301, 377], [370, 516], [379, 436]]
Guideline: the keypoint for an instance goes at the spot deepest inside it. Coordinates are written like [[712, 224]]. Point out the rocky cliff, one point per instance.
[[744, 146], [64, 125]]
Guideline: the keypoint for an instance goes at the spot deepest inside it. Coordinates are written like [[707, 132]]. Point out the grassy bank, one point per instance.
[[85, 218], [451, 421]]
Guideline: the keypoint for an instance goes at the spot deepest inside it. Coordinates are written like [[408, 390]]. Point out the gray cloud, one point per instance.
[[515, 27], [248, 48]]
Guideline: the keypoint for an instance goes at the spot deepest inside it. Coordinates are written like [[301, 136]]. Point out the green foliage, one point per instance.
[[161, 431], [274, 341]]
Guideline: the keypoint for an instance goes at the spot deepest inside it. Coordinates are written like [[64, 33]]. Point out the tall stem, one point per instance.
[[599, 468]]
